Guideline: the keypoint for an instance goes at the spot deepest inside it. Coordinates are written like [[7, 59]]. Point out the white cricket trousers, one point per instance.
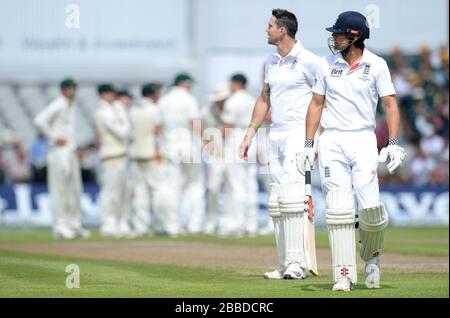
[[283, 147], [183, 179], [114, 197], [215, 181], [241, 199], [349, 159], [145, 179], [64, 185]]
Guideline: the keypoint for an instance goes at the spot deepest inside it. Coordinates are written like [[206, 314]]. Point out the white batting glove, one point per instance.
[[396, 155], [308, 155]]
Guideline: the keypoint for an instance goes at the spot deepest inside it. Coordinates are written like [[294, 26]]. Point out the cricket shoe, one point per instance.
[[276, 274], [294, 271], [83, 233], [64, 233], [343, 284], [372, 273]]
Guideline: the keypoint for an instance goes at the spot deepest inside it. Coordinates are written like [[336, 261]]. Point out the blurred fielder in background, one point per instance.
[[180, 143], [57, 123], [289, 77], [241, 183], [212, 122], [113, 131], [345, 98], [145, 155]]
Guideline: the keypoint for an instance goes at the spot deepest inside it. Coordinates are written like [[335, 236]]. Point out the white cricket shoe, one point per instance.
[[83, 233], [372, 273], [343, 284], [294, 271], [276, 274], [64, 234]]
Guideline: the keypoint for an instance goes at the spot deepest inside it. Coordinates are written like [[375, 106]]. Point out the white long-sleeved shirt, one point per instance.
[[238, 109], [177, 108], [113, 129], [144, 118], [56, 121]]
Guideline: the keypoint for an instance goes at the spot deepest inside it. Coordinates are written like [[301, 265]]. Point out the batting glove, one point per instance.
[[308, 155], [396, 155]]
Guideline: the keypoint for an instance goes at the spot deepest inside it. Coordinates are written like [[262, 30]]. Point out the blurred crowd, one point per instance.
[[422, 89]]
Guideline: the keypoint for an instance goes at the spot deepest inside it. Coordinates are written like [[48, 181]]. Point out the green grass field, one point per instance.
[[33, 275]]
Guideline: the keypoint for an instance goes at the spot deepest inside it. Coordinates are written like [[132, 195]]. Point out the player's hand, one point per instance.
[[60, 141], [396, 155], [308, 155], [243, 148]]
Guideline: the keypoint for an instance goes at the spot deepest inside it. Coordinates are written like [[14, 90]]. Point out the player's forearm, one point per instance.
[[313, 118], [258, 116], [392, 116]]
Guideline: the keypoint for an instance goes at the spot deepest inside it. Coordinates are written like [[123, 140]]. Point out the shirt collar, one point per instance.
[[364, 59], [293, 52], [295, 49]]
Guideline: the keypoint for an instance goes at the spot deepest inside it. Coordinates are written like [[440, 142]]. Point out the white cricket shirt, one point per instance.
[[57, 120], [290, 80], [238, 109], [351, 93], [144, 117]]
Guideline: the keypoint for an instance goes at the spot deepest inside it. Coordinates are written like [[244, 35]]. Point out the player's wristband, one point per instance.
[[393, 142], [309, 143], [254, 125]]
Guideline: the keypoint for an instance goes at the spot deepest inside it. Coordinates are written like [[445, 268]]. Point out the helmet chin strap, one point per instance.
[[345, 51]]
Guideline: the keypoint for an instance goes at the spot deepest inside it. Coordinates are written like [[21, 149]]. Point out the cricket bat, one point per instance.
[[309, 229]]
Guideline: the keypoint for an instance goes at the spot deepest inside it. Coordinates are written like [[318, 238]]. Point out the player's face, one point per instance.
[[109, 96], [69, 92], [340, 41], [127, 101], [273, 32]]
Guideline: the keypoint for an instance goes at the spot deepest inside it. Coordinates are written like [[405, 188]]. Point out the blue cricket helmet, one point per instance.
[[351, 23]]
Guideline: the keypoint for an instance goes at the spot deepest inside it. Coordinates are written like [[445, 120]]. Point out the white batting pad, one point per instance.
[[372, 225], [340, 218], [292, 197], [274, 210]]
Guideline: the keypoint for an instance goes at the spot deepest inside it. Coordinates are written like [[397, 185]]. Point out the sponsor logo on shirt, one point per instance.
[[336, 72]]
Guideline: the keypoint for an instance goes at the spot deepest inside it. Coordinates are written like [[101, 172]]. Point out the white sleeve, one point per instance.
[[44, 119], [266, 79], [383, 81], [157, 117], [229, 113], [320, 84], [311, 70], [194, 111], [117, 127]]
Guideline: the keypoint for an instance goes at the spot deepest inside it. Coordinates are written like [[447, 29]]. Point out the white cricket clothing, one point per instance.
[[144, 118], [241, 184], [182, 169], [283, 147], [57, 120], [290, 79], [351, 92], [238, 109], [177, 109], [113, 129], [349, 159]]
